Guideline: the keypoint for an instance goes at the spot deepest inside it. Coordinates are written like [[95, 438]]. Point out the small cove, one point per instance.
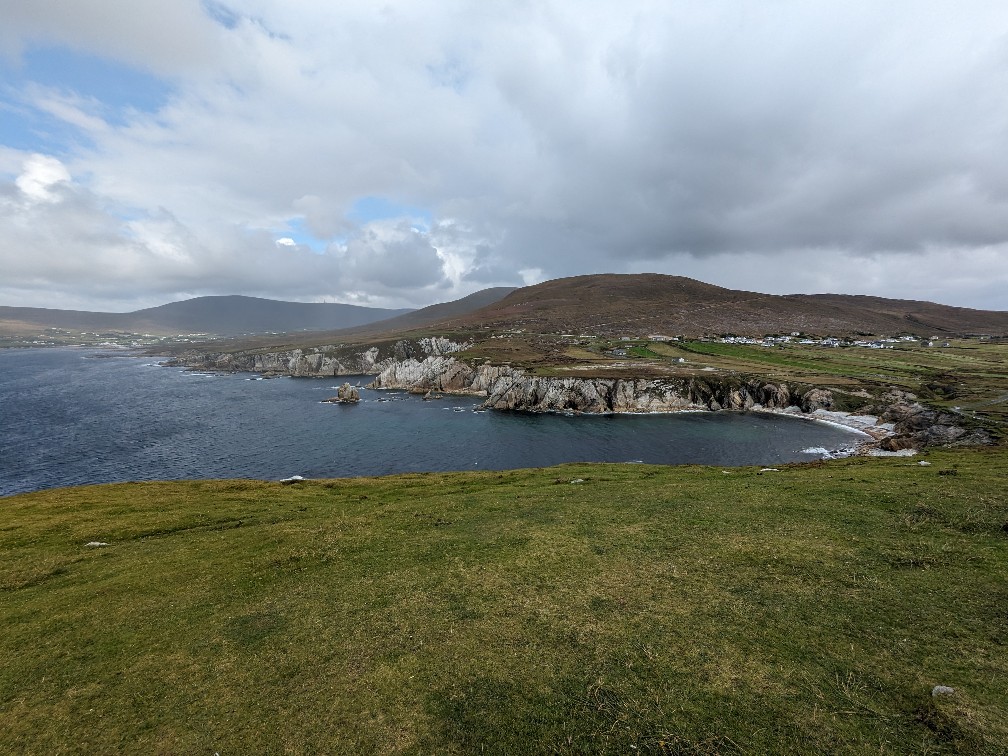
[[76, 416]]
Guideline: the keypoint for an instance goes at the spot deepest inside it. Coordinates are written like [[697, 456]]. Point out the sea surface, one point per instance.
[[80, 416]]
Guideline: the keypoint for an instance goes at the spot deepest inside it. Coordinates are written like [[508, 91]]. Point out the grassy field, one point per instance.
[[583, 608]]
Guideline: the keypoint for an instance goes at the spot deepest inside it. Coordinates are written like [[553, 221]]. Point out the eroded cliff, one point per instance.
[[508, 388], [429, 364], [321, 361]]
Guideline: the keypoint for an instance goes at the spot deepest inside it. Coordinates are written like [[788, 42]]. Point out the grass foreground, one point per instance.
[[582, 608]]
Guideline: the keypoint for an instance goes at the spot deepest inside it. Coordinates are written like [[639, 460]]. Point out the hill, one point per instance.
[[649, 303], [577, 609], [434, 314], [413, 320], [221, 315]]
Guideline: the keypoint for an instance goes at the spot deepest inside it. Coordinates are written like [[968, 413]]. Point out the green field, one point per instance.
[[583, 608]]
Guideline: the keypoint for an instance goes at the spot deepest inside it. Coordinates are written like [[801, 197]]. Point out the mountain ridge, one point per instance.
[[224, 315]]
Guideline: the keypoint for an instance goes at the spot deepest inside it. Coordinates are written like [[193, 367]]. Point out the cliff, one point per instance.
[[895, 419], [509, 388], [317, 362]]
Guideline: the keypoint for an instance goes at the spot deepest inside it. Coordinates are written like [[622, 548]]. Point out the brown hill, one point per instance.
[[417, 319], [649, 303]]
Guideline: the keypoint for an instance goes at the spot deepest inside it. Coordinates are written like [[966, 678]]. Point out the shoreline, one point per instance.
[[893, 421], [867, 446]]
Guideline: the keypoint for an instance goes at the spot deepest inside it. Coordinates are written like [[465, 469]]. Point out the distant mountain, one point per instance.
[[650, 303], [220, 315], [434, 313], [409, 321]]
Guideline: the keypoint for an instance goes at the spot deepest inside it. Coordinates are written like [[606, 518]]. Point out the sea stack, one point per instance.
[[347, 394]]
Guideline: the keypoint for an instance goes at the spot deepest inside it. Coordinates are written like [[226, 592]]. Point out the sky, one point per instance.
[[398, 154]]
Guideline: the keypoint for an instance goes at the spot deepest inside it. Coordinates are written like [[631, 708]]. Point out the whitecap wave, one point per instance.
[[824, 453]]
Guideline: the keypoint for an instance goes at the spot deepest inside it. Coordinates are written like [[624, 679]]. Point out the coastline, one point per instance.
[[891, 421], [869, 429]]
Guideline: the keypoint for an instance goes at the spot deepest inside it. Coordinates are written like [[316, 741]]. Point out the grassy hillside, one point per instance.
[[647, 303], [610, 608]]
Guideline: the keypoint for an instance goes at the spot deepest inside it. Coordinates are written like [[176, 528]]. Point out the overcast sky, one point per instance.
[[403, 153]]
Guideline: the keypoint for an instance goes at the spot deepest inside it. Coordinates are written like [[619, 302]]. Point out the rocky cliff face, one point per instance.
[[897, 419], [916, 426], [322, 361], [509, 388], [439, 373], [295, 362]]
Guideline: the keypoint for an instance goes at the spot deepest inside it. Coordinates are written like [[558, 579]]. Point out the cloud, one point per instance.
[[793, 146], [164, 36], [390, 255], [40, 176]]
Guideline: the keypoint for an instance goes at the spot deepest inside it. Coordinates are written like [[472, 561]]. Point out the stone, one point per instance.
[[897, 443], [942, 690], [817, 399], [347, 394]]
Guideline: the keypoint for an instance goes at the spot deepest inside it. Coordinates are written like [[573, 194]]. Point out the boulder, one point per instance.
[[898, 443], [817, 399], [347, 394]]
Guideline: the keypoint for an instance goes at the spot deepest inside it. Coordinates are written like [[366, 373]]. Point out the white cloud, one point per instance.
[[40, 176], [531, 276]]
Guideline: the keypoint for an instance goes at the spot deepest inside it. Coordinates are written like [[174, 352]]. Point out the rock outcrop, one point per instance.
[[318, 362], [916, 427], [508, 388], [443, 374], [322, 361], [347, 394]]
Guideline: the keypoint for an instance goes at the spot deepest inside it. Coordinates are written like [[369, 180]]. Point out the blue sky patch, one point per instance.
[[30, 130], [118, 87], [368, 209], [114, 89], [297, 231]]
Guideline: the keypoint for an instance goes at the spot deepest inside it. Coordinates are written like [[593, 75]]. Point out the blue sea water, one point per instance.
[[79, 416]]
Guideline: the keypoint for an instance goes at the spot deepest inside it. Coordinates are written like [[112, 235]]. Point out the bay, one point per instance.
[[77, 416]]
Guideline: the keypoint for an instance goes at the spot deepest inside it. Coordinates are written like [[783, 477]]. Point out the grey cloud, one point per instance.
[[165, 36], [394, 256]]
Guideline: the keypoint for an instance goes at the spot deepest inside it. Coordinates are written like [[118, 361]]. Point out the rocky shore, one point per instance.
[[894, 421]]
